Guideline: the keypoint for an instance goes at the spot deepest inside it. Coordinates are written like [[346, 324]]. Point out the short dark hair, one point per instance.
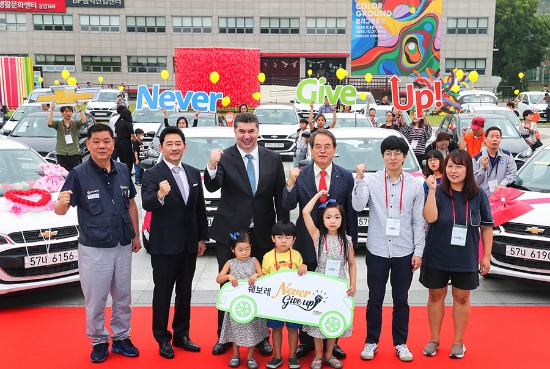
[[372, 109], [527, 112], [99, 128], [322, 132], [66, 107], [436, 154], [461, 157], [510, 104], [246, 118], [443, 136], [284, 228], [394, 143], [242, 237], [171, 130], [304, 120], [139, 131], [492, 129], [120, 108]]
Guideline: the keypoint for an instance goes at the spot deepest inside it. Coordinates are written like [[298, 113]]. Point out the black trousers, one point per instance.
[[378, 272], [68, 161], [168, 270], [224, 254], [125, 154]]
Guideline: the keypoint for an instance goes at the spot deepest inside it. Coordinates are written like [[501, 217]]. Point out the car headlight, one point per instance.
[[293, 136], [534, 109], [113, 108], [152, 153], [526, 153]]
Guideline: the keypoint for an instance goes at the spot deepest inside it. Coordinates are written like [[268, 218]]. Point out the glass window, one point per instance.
[[146, 64], [192, 24], [146, 24], [235, 25], [101, 63]]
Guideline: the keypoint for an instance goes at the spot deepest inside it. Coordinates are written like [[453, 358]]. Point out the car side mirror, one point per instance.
[[6, 132], [148, 163], [150, 134], [292, 101]]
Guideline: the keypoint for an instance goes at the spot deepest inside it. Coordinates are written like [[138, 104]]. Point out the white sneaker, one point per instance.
[[369, 351], [403, 352]]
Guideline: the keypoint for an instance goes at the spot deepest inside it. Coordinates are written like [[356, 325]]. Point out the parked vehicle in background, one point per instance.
[[491, 109], [381, 114], [302, 109], [150, 121], [19, 113], [363, 105], [530, 101], [351, 120], [105, 106], [477, 96], [278, 127]]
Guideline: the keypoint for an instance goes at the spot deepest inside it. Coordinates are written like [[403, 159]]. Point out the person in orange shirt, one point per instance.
[[473, 141]]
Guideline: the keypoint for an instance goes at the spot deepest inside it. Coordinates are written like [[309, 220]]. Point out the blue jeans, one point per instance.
[[138, 172], [378, 272]]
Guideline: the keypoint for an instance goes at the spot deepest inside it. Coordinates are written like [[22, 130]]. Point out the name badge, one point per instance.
[[458, 237], [393, 225], [333, 267], [93, 196], [68, 139], [492, 185], [414, 143]]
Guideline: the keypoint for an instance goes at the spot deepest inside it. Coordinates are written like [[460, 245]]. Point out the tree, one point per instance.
[[521, 37]]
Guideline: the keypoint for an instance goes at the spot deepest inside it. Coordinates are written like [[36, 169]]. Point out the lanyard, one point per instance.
[[63, 126], [497, 161], [277, 264], [326, 245], [400, 196], [453, 204]]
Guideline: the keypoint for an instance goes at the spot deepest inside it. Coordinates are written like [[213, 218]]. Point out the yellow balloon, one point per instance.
[[368, 77], [164, 74], [256, 96], [261, 77], [341, 73], [309, 72], [214, 78], [455, 88], [363, 95], [516, 91], [473, 76], [226, 100], [71, 81], [56, 82], [459, 74], [100, 79], [65, 74], [120, 88], [40, 79], [521, 75]]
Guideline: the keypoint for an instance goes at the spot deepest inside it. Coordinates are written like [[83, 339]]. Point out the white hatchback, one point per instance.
[[278, 128]]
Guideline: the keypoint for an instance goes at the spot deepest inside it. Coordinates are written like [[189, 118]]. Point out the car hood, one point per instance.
[[33, 219], [539, 214], [514, 145], [100, 105], [278, 129], [541, 107], [39, 144]]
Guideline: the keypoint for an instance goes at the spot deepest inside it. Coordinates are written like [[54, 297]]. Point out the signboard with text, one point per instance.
[[39, 6], [95, 3]]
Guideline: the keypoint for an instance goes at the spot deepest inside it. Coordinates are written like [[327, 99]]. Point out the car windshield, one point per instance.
[[357, 121], [19, 169], [24, 110], [149, 116], [353, 151], [198, 149], [507, 128], [359, 100], [536, 97], [478, 99], [33, 127], [107, 96], [276, 116], [535, 174], [381, 116]]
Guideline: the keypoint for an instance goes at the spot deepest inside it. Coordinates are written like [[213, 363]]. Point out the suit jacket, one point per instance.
[[341, 186], [176, 225], [237, 204]]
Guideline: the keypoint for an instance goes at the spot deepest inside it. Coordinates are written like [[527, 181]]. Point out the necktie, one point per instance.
[[323, 184], [177, 177], [251, 173]]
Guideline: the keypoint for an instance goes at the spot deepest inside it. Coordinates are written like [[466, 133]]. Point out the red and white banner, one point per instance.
[[40, 6]]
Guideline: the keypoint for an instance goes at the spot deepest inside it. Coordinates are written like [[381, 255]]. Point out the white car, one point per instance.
[[286, 296], [19, 113], [363, 105], [37, 248], [352, 120], [491, 109], [105, 106], [278, 128], [521, 246], [530, 101], [303, 108], [477, 96]]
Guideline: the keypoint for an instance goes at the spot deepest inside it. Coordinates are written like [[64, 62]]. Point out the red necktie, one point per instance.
[[323, 184]]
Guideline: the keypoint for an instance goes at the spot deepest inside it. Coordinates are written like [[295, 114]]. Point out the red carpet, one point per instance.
[[497, 337]]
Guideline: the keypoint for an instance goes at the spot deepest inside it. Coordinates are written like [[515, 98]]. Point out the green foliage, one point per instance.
[[521, 37]]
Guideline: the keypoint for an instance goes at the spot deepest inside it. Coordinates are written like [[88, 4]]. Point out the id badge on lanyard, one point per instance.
[[393, 225], [333, 267], [414, 143], [459, 233], [68, 139], [492, 185]]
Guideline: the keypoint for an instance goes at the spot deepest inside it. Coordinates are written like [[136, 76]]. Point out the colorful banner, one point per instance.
[[16, 80], [395, 37], [42, 6]]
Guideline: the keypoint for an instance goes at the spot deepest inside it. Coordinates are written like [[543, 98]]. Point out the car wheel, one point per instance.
[[243, 309], [332, 324]]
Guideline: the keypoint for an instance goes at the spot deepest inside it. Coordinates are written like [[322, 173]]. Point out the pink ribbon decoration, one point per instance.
[[53, 177]]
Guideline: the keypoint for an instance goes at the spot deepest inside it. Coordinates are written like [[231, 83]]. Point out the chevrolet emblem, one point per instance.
[[534, 230], [49, 234], [65, 95], [206, 202], [274, 136]]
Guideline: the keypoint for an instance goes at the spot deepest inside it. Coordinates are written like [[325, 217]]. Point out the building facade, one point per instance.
[[132, 41]]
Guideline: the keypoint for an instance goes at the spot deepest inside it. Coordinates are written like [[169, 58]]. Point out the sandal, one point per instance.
[[317, 363], [334, 362]]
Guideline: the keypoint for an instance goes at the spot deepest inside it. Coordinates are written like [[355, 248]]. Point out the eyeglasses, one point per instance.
[[396, 154], [326, 147]]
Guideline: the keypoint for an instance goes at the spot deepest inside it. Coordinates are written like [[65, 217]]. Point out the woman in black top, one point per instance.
[[182, 121], [124, 130]]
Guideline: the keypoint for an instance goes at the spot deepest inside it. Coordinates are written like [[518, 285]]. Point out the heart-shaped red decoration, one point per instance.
[[17, 196]]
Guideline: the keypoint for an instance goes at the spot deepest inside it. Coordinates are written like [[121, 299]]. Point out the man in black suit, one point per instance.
[[304, 184], [251, 179], [172, 192]]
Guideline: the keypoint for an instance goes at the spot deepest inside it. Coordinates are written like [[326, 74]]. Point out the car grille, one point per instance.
[[274, 137], [535, 244], [533, 264], [34, 236], [516, 228], [39, 249], [42, 271]]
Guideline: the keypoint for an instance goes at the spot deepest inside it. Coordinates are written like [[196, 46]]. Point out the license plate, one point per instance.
[[50, 259], [362, 221], [210, 219], [527, 253], [274, 144], [102, 114]]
